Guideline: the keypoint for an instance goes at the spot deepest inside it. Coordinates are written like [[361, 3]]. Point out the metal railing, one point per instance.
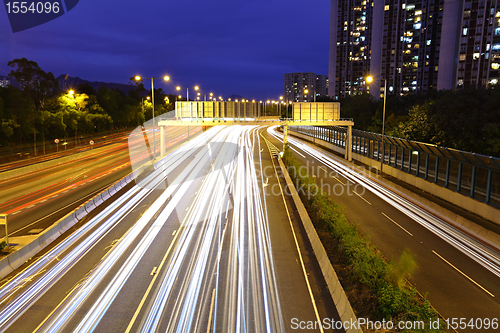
[[474, 175]]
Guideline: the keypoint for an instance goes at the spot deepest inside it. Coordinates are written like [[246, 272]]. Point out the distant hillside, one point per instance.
[[73, 82]]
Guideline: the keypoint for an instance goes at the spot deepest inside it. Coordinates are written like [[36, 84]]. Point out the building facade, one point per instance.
[[415, 45], [296, 85]]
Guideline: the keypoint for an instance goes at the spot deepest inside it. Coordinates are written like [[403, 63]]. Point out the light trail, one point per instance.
[[219, 262], [56, 263], [480, 253]]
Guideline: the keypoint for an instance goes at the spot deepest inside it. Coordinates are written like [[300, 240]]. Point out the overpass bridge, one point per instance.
[[214, 113]]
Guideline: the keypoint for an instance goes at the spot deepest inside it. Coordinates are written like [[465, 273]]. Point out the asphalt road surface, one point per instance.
[[203, 243]]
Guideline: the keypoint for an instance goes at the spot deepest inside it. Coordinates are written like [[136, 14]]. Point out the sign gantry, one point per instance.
[[214, 113]]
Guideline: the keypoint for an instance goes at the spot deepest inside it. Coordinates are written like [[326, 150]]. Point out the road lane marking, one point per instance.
[[211, 310], [153, 272], [141, 304], [174, 232], [396, 223], [57, 307], [338, 180], [470, 279], [295, 150], [299, 252], [368, 202]]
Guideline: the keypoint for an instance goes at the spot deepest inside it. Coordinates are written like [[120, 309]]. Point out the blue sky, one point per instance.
[[224, 46]]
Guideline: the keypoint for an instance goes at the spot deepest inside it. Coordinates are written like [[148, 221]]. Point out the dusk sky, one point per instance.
[[224, 46]]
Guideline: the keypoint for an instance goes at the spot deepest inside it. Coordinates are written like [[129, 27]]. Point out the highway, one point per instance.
[[459, 275], [202, 243], [34, 200]]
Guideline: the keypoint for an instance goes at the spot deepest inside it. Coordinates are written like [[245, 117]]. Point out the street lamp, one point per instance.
[[166, 78], [187, 98], [369, 79], [383, 127], [187, 90]]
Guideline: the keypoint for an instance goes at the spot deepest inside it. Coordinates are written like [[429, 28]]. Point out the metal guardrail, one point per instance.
[[474, 175]]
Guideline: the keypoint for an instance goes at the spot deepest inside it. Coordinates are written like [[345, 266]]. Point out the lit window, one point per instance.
[[386, 7], [462, 57], [428, 42], [418, 12], [495, 65], [476, 55], [464, 31]]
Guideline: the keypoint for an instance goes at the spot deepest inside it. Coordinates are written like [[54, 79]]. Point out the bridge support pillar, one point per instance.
[[348, 144], [162, 141]]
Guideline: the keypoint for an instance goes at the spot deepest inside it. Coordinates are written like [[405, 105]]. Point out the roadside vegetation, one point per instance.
[[377, 289], [464, 119], [39, 110]]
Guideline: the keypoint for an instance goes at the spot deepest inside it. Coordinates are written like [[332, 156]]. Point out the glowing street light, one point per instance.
[[369, 79], [166, 78]]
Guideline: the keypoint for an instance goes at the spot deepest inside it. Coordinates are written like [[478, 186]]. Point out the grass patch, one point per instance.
[[377, 288]]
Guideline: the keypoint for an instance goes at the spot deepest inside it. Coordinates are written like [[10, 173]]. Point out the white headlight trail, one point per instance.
[[483, 255]]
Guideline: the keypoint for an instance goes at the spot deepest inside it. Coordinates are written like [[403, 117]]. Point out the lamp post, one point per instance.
[[383, 127], [369, 79], [166, 78], [187, 98]]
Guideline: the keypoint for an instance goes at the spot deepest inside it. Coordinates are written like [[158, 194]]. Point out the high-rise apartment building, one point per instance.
[[296, 85], [416, 45]]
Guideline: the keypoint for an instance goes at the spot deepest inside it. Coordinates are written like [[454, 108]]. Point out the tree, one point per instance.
[[38, 84], [16, 114]]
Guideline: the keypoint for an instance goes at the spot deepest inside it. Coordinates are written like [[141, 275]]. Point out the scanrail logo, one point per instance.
[[29, 14]]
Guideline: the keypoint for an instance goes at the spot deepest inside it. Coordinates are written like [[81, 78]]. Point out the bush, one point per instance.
[[397, 300]]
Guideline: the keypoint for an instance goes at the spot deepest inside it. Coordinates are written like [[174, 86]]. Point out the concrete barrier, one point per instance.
[[80, 212], [98, 200], [66, 223], [90, 205], [339, 297], [105, 195], [51, 234], [19, 257], [5, 267]]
